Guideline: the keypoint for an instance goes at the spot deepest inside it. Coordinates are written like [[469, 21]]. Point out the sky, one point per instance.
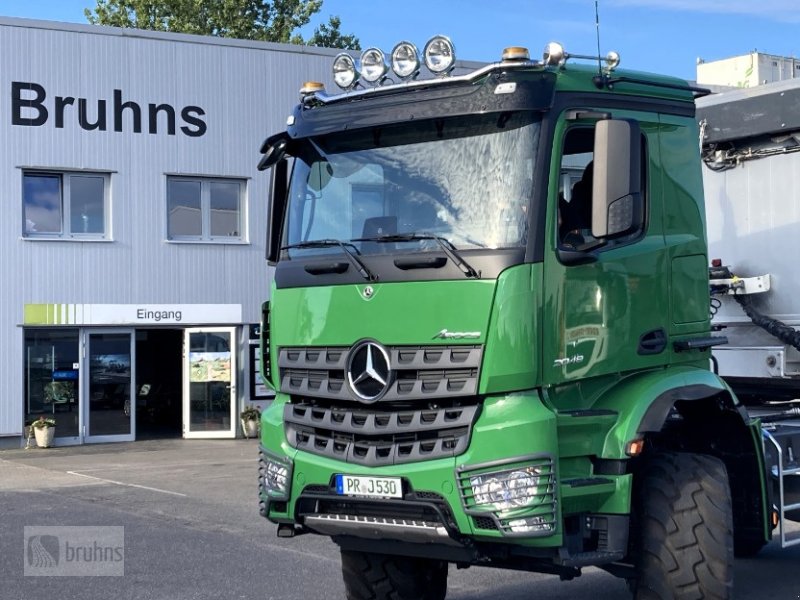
[[663, 36]]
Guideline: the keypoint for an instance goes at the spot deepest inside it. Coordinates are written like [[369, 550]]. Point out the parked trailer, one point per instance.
[[751, 178]]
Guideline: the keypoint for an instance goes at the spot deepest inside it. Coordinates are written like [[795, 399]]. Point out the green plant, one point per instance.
[[251, 413], [43, 423]]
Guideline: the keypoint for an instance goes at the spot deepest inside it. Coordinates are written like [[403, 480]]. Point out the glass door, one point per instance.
[[109, 407], [209, 390]]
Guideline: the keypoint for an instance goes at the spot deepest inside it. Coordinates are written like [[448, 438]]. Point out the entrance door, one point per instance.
[[209, 389], [110, 407]]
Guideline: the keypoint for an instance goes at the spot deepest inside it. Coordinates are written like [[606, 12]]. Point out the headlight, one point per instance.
[[440, 55], [345, 73], [276, 475], [373, 65], [405, 60], [506, 490]]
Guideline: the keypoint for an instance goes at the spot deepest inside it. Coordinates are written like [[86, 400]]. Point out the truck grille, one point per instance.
[[419, 372], [375, 437]]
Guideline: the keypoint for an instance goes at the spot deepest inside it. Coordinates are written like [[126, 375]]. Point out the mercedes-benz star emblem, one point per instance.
[[368, 372]]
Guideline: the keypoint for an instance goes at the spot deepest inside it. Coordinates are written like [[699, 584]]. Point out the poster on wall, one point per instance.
[[209, 366]]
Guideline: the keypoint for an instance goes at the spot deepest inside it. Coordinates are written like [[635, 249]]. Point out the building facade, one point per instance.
[[132, 246]]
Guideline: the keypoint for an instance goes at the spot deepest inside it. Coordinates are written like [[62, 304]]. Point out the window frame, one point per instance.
[[64, 177], [206, 236]]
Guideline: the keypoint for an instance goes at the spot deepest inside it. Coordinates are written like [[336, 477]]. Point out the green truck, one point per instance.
[[489, 331]]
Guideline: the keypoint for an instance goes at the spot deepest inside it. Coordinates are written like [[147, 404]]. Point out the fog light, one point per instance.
[[373, 65], [507, 489], [531, 524], [405, 60], [440, 55], [345, 73], [276, 475]]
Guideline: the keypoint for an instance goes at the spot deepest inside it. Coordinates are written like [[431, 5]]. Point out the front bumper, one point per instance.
[[438, 505]]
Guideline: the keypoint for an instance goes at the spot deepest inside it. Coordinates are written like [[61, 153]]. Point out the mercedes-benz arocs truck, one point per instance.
[[489, 331]]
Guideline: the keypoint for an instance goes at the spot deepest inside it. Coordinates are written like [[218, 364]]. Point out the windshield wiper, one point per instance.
[[345, 246], [446, 245]]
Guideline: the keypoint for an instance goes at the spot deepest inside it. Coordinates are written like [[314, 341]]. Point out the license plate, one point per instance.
[[371, 487]]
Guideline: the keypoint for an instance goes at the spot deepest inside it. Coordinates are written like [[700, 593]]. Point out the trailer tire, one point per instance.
[[683, 541], [369, 576]]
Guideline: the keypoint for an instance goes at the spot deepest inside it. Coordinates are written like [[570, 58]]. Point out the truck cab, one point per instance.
[[489, 329]]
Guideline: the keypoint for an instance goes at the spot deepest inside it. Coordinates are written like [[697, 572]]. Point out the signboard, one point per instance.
[[259, 390], [131, 314]]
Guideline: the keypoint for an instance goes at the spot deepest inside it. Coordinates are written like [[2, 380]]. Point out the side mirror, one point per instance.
[[617, 186], [277, 209], [273, 149]]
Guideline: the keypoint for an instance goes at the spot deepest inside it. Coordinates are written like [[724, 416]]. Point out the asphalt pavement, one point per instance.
[[192, 531]]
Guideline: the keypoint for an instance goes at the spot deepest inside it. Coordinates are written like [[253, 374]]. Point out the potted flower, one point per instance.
[[251, 420], [44, 430]]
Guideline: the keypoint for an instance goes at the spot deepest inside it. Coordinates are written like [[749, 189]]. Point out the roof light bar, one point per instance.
[[345, 73], [440, 55], [373, 65], [405, 60]]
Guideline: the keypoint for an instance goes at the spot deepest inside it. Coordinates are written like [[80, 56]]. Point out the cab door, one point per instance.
[[608, 315]]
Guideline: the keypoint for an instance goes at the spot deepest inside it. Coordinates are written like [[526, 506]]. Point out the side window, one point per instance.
[[575, 193], [205, 210], [64, 205]]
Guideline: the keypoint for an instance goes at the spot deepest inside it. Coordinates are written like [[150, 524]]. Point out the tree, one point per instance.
[[329, 36], [274, 21]]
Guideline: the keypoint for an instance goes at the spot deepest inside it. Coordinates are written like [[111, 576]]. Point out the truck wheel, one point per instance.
[[683, 543], [386, 577]]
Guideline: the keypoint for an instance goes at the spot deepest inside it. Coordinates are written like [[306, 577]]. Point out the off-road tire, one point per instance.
[[386, 577], [683, 537]]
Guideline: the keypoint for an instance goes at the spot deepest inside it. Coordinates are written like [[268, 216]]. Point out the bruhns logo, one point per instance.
[[43, 551], [74, 551]]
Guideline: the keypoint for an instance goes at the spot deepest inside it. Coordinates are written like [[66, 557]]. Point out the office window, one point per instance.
[[203, 209], [65, 205]]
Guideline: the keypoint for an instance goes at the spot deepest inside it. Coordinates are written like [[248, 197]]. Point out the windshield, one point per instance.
[[466, 180]]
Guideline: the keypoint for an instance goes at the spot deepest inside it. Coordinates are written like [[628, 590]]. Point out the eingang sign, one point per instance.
[[132, 314]]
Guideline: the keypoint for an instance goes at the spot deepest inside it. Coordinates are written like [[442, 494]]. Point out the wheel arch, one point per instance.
[[693, 410]]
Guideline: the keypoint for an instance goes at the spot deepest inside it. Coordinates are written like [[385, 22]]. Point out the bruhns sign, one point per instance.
[[31, 106]]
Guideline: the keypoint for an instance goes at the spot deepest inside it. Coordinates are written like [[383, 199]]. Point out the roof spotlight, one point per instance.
[[405, 60], [554, 54], [440, 55], [612, 61], [373, 65], [345, 73]]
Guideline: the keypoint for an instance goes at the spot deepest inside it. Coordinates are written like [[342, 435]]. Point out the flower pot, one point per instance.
[[250, 428], [44, 436]]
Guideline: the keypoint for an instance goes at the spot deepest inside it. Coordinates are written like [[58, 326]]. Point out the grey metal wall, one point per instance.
[[246, 90]]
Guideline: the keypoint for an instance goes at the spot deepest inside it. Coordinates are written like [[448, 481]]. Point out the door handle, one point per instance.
[[652, 342]]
